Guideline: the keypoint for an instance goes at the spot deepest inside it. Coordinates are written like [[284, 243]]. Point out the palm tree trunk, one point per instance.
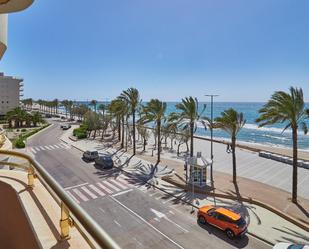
[[122, 135], [159, 140], [294, 184], [234, 158], [191, 138], [133, 116], [119, 129], [144, 144]]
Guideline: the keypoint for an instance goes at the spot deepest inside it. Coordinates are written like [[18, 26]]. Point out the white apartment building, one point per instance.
[[10, 93]]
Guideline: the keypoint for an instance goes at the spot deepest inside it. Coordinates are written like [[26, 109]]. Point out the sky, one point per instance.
[[241, 50]]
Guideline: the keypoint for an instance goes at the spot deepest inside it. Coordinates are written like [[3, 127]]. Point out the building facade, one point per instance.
[[10, 93]]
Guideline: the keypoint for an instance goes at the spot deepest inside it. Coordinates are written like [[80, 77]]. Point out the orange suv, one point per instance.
[[230, 222]]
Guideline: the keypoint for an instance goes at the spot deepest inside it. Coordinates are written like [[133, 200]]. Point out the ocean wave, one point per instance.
[[266, 129]]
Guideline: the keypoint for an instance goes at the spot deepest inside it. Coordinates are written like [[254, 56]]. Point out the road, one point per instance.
[[134, 216]]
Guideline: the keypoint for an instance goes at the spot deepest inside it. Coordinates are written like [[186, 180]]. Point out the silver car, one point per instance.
[[90, 155]]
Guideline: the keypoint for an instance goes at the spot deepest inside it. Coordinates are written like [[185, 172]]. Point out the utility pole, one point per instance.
[[211, 133]]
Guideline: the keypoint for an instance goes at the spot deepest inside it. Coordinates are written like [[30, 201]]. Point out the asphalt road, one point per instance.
[[135, 216]]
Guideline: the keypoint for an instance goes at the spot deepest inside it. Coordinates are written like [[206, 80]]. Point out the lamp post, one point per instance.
[[211, 133]]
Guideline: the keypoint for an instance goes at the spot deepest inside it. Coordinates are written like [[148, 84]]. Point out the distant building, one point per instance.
[[10, 93]]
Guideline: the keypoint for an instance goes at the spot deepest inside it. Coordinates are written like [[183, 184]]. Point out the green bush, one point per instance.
[[80, 132], [19, 143], [23, 130], [81, 135]]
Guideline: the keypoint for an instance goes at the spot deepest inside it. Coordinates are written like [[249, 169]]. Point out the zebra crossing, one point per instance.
[[58, 146], [90, 191]]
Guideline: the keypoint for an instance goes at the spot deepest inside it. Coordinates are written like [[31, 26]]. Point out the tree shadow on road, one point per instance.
[[293, 235]]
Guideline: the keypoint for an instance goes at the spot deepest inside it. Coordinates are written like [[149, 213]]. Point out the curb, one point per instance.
[[260, 238], [247, 199]]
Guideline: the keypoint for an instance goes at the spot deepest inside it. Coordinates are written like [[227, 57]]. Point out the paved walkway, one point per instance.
[[262, 222]]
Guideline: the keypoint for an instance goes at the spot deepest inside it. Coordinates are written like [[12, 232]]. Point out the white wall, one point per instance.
[[3, 33]]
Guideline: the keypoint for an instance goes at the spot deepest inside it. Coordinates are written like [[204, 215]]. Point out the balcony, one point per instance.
[[37, 213], [3, 34], [9, 6]]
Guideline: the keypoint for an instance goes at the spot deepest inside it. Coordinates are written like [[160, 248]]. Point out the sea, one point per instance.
[[271, 135]]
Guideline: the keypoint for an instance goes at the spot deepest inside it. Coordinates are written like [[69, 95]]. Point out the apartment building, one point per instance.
[[10, 93]]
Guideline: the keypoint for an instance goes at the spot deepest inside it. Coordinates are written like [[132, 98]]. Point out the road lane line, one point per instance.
[[33, 150], [92, 195], [52, 147], [80, 194], [105, 188], [42, 148], [56, 146], [123, 192], [118, 183], [154, 228], [76, 186], [61, 146], [110, 185], [46, 147], [36, 148], [117, 223], [73, 197], [97, 190]]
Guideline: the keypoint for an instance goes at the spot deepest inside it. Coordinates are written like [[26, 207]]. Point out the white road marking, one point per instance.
[[117, 223], [36, 148], [52, 147], [76, 186], [33, 150], [111, 185], [96, 190], [171, 212], [123, 180], [73, 197], [163, 216], [141, 218], [80, 194], [103, 211], [104, 188], [123, 192], [46, 147], [42, 148], [56, 146], [118, 183], [92, 195], [61, 146], [168, 199], [66, 146]]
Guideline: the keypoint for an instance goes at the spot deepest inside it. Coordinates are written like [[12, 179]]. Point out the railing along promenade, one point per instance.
[[71, 213]]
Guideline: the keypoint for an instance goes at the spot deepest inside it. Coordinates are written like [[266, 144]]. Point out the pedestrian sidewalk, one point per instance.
[[263, 223]]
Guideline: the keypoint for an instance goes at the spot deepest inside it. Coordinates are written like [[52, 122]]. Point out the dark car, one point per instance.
[[105, 162], [90, 155]]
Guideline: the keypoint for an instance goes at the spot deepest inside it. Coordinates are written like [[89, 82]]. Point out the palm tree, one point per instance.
[[155, 112], [231, 122], [132, 98], [102, 107], [288, 109], [188, 117], [94, 104]]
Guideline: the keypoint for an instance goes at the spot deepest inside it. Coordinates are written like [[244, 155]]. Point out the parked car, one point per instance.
[[285, 245], [90, 155], [106, 162], [230, 222], [65, 126]]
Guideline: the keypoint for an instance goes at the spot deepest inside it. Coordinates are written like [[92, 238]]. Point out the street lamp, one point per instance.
[[211, 133]]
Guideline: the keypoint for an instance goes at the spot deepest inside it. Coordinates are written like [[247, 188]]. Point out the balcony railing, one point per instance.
[[71, 213]]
